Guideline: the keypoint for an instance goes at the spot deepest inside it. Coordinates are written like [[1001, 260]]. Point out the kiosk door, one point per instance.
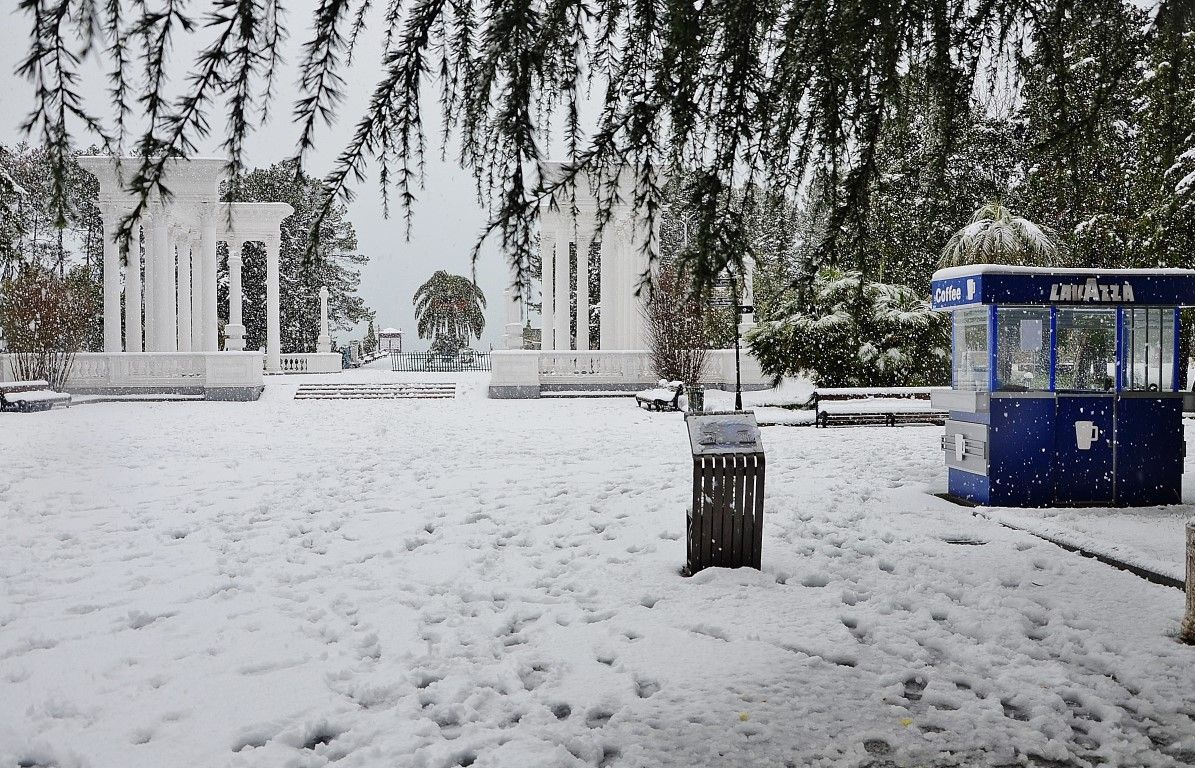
[[1084, 449], [1085, 371]]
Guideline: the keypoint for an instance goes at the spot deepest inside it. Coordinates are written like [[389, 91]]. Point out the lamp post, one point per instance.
[[738, 383]]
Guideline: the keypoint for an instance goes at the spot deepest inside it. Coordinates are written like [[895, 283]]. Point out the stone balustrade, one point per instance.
[[307, 362], [215, 375], [528, 373]]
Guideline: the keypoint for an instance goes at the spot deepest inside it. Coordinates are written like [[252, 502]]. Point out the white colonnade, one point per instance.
[[567, 280], [173, 307]]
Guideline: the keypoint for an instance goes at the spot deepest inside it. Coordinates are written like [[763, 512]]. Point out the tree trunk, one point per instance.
[[1186, 631]]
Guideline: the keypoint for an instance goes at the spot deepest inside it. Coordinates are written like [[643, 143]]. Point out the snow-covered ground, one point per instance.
[[496, 583]]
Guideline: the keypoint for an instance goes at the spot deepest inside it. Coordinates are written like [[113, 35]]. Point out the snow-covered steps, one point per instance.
[[405, 390], [148, 397]]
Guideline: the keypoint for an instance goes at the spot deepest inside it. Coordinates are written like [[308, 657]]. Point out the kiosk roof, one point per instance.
[[979, 284], [968, 270]]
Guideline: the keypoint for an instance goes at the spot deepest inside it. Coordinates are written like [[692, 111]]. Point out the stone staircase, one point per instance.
[[405, 390]]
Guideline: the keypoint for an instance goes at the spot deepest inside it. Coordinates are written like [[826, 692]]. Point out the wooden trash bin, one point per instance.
[[725, 524]]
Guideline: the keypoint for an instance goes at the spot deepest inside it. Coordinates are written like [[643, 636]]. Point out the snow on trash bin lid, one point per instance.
[[721, 433]]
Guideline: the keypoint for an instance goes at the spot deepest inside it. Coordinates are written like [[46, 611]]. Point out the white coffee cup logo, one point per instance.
[[1086, 433]]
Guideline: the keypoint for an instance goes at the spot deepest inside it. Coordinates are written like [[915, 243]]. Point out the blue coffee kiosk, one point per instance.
[[1066, 385]]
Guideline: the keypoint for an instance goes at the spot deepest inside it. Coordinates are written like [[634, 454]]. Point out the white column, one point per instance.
[[207, 256], [184, 292], [606, 282], [563, 315], [164, 310], [111, 221], [513, 331], [547, 244], [132, 293], [273, 327], [149, 284], [234, 332], [198, 321], [584, 238], [324, 343], [642, 264]]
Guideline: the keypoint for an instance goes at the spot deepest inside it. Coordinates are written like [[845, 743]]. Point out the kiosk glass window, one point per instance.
[[1086, 358], [1149, 349], [971, 349], [1022, 348]]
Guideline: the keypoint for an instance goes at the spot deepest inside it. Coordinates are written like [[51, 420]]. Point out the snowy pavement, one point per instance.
[[496, 583]]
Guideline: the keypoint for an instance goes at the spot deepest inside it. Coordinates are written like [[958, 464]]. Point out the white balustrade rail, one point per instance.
[[310, 362], [519, 373], [596, 367], [159, 371]]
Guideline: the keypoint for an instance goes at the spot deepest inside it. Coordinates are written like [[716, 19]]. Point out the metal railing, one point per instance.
[[431, 361]]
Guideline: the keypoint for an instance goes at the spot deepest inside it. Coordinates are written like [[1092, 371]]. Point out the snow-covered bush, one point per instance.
[[678, 328], [45, 319], [845, 331]]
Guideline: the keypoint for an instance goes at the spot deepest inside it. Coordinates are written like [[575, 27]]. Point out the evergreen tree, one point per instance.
[[35, 231], [33, 227], [847, 331], [785, 93], [1081, 180], [370, 342]]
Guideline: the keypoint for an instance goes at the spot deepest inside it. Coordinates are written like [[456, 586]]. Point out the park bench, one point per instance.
[[665, 397], [840, 407], [30, 396]]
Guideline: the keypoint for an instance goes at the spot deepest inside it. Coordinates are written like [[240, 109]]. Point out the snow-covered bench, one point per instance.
[[29, 396], [664, 397], [889, 407]]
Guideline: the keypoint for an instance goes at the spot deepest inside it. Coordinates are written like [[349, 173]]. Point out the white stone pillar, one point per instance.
[[617, 303], [164, 310], [607, 334], [132, 292], [324, 343], [547, 245], [513, 330], [234, 332], [198, 321], [563, 314], [637, 322], [207, 256], [111, 221], [584, 239], [149, 284], [184, 292], [273, 311]]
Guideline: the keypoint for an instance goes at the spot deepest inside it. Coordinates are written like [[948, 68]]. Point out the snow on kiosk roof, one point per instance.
[[978, 284]]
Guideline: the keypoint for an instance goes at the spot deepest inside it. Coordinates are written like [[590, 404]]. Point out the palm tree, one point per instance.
[[449, 309], [996, 236]]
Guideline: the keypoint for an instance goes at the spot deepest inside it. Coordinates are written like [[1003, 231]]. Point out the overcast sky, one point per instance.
[[447, 220]]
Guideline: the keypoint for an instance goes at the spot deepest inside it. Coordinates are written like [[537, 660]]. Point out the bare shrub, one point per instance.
[[45, 319], [677, 329]]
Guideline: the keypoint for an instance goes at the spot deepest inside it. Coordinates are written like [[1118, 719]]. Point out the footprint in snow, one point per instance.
[[645, 688], [597, 718], [815, 580]]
